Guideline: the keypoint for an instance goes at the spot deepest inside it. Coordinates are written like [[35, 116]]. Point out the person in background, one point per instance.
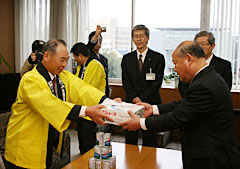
[[207, 42], [48, 98], [92, 72], [205, 114], [94, 44], [142, 76], [34, 58]]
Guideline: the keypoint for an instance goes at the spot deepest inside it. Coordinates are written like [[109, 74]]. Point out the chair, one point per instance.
[[1, 163]]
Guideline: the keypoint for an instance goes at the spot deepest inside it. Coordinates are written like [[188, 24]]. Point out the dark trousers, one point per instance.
[[149, 138], [12, 166], [86, 134]]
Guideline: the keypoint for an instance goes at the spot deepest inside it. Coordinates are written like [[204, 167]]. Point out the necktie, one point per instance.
[[140, 63], [54, 84]]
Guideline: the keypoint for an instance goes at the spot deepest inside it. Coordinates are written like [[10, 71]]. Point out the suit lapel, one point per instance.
[[134, 62], [213, 61]]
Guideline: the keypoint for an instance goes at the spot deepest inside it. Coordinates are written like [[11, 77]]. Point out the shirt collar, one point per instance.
[[209, 59], [143, 54], [51, 75]]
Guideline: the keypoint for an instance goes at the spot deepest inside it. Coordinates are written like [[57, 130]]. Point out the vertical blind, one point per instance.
[[224, 23]]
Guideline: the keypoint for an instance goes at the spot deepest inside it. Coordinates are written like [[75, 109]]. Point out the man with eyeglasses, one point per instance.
[[142, 76], [206, 40]]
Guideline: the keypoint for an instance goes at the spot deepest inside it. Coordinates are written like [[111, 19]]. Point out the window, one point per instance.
[[115, 15], [170, 22]]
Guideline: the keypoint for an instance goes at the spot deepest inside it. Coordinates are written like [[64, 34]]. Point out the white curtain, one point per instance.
[[31, 23], [224, 24], [46, 19], [69, 21]]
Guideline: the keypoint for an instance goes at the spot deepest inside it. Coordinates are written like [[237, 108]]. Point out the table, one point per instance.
[[135, 157]]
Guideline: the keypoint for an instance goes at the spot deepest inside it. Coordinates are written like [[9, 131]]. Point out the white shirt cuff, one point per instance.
[[155, 110], [82, 111], [142, 123]]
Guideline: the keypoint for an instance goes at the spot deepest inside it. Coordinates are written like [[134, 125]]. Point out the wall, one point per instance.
[[7, 33]]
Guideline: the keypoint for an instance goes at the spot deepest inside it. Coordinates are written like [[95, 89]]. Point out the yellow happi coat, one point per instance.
[[35, 108], [94, 75]]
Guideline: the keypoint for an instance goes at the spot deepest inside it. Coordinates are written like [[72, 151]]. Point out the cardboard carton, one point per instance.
[[119, 111]]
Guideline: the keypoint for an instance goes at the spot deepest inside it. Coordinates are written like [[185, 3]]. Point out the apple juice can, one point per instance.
[[97, 152], [104, 153], [107, 139], [106, 164], [109, 151], [91, 163], [113, 162], [99, 138], [98, 164]]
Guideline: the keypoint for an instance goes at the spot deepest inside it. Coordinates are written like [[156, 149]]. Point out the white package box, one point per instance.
[[119, 111]]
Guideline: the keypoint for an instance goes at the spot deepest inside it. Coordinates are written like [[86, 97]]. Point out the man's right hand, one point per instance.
[[98, 32], [94, 112]]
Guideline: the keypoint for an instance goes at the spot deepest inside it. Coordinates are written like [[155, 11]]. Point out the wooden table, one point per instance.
[[135, 157]]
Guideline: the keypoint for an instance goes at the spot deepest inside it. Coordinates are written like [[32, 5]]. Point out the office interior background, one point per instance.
[[170, 22]]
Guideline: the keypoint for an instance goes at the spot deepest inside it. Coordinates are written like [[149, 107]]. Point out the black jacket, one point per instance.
[[205, 116], [134, 81]]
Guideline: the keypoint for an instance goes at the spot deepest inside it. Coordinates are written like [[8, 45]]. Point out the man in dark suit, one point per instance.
[[205, 114], [142, 75], [94, 44], [207, 41]]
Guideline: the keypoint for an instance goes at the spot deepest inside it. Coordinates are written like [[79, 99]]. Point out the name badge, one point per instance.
[[150, 76]]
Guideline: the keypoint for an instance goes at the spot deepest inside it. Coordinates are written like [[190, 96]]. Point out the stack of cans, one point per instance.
[[103, 158]]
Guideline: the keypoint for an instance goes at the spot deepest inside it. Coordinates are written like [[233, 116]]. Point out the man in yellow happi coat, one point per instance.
[[92, 72], [48, 98]]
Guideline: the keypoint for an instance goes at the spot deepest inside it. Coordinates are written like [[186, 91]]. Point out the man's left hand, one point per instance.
[[132, 124]]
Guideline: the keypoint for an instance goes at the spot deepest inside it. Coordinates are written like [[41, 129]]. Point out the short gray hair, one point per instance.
[[141, 27], [211, 38], [52, 44]]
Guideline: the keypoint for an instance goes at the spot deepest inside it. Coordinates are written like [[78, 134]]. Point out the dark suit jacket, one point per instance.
[[134, 81], [205, 116], [103, 60], [223, 67]]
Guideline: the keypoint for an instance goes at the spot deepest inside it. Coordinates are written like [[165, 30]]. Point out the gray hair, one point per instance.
[[211, 38], [141, 27], [52, 44]]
